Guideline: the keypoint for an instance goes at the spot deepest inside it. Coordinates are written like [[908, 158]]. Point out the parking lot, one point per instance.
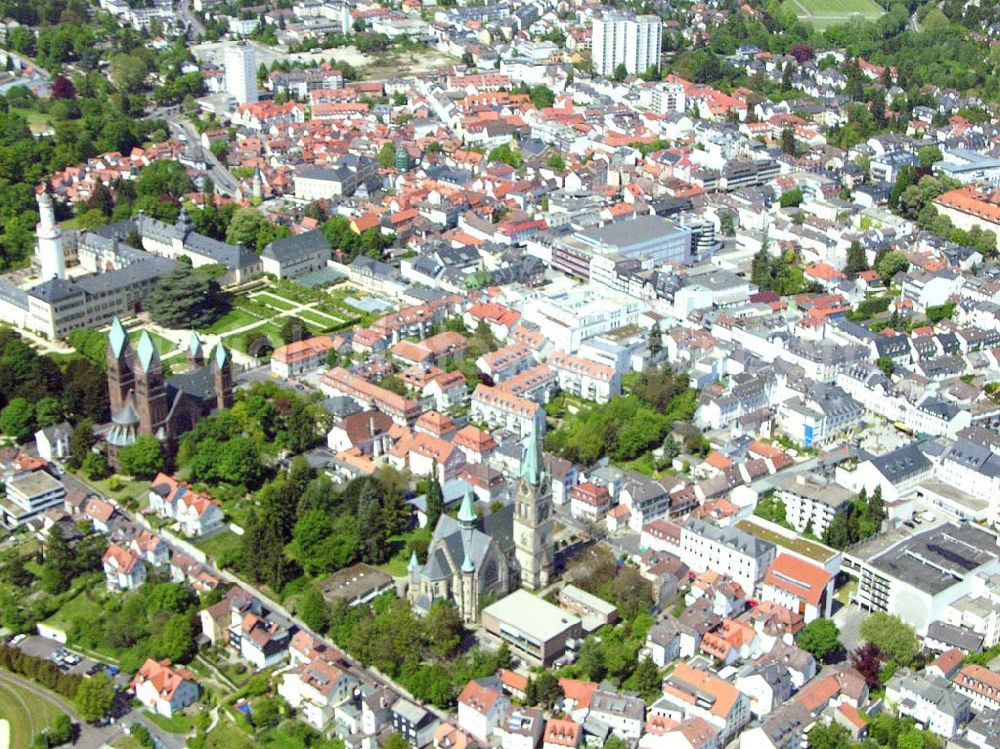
[[67, 660]]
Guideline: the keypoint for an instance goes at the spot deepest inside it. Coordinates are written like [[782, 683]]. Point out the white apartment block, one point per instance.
[[667, 98], [506, 410], [584, 378], [241, 73], [623, 39], [740, 555], [812, 502]]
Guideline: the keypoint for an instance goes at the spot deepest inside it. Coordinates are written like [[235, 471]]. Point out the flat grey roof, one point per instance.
[[534, 616], [936, 559], [624, 233]]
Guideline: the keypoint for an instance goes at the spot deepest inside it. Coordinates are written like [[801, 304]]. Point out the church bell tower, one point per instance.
[[533, 540]]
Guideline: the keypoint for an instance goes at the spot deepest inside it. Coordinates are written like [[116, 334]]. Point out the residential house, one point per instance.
[[799, 586], [163, 688], [930, 701], [481, 707], [197, 514], [123, 569]]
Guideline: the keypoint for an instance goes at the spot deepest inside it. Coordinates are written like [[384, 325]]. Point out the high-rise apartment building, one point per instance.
[[241, 72], [624, 39]]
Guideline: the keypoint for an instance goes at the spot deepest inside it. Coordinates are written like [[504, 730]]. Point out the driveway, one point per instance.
[[848, 619]]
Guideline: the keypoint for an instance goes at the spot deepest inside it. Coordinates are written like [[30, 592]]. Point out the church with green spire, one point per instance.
[[145, 401], [474, 559]]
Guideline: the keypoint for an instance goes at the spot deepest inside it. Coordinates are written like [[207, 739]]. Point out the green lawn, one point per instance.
[[825, 13], [126, 489], [397, 564], [317, 320], [239, 341], [235, 318], [163, 345], [37, 121], [28, 714], [177, 724], [126, 742], [272, 299], [807, 548], [227, 735], [218, 544], [85, 605]]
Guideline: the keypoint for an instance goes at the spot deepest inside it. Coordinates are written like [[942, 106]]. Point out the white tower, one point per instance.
[[50, 246], [241, 73], [345, 19]]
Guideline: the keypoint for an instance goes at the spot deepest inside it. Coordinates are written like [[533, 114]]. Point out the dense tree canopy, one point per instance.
[[186, 298]]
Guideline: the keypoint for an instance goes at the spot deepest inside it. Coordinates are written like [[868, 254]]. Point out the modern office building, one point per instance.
[[241, 73], [920, 576], [634, 41]]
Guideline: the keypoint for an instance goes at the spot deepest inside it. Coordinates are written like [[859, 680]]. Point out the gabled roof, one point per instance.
[[798, 578]]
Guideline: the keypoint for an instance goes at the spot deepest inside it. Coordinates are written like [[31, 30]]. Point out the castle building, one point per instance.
[[117, 277], [471, 560], [145, 401]]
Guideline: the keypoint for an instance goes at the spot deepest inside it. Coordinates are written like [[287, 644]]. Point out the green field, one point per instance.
[[163, 345], [28, 714], [825, 13]]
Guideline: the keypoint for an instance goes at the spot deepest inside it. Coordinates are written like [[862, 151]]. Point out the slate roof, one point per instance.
[[297, 246]]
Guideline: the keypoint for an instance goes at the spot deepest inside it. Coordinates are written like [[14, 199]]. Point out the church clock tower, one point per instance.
[[533, 519]]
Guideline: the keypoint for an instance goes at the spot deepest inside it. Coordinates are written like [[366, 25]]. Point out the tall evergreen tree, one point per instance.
[[857, 261], [435, 500]]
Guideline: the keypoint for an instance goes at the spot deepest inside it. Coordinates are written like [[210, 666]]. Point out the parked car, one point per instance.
[[17, 639]]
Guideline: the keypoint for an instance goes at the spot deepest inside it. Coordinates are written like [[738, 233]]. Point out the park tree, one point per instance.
[[59, 566], [186, 298], [788, 141], [648, 680], [17, 419], [49, 411], [127, 72], [443, 630], [323, 542], [857, 261], [95, 465], [81, 441], [387, 155], [892, 636], [313, 610], [62, 88], [620, 73], [820, 637], [294, 329], [435, 500], [867, 660], [163, 177], [143, 459], [892, 262], [95, 697], [60, 732]]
